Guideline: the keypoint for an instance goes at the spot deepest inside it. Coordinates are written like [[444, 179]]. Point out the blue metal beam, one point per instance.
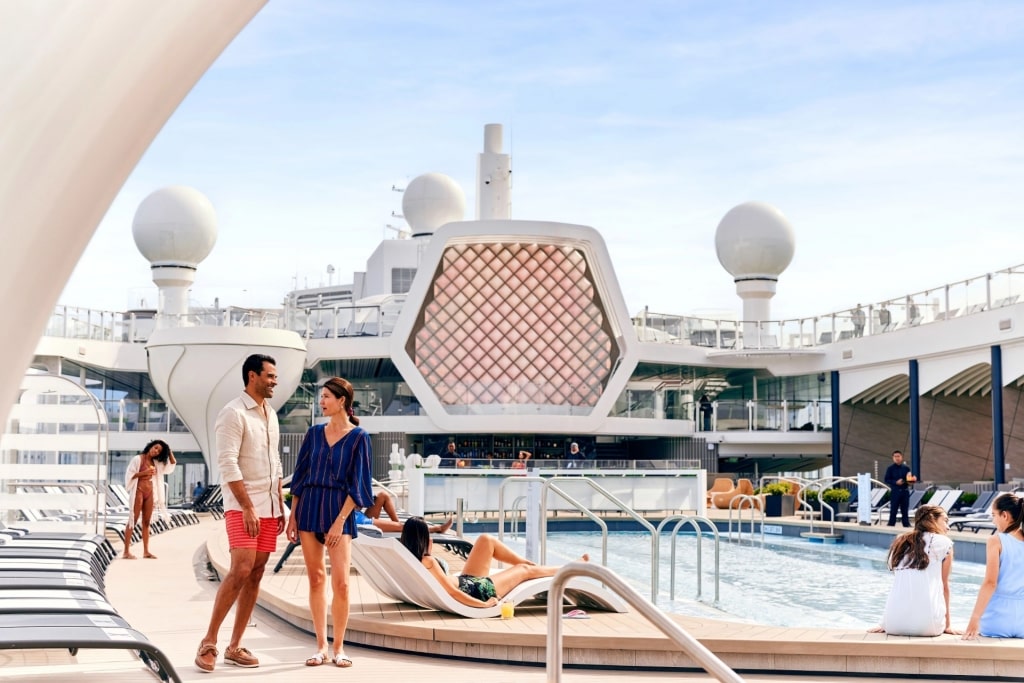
[[998, 454], [835, 424], [915, 421]]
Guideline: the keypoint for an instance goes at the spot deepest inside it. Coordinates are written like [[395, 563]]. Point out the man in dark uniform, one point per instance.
[[898, 477]]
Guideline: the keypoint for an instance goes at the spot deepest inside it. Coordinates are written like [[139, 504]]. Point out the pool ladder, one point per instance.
[[687, 643], [550, 484], [694, 521]]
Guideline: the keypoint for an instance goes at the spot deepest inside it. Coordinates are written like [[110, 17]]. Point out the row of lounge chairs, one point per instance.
[[115, 516], [976, 517], [52, 596], [944, 498], [211, 500], [724, 494]]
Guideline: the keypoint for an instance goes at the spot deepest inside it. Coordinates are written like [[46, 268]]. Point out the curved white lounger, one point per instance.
[[394, 572]]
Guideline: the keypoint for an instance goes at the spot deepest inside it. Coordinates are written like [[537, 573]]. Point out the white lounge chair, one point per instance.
[[393, 571]]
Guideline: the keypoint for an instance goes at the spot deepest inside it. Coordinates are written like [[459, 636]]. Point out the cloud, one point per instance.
[[887, 132]]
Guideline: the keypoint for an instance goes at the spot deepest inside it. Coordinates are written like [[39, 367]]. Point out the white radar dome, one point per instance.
[[430, 201], [175, 226], [755, 241]]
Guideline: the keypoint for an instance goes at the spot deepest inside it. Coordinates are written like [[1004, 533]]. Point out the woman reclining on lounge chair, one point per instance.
[[382, 503], [476, 586]]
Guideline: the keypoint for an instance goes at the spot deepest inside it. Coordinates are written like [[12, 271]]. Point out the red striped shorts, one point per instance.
[[264, 542]]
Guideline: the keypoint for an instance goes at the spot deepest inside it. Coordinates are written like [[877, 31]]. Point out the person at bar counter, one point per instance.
[[522, 462]]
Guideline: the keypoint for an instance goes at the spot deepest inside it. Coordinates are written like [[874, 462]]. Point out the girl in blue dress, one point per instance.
[[999, 610], [331, 481]]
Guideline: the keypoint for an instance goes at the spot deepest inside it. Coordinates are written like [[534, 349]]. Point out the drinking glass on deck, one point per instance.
[[508, 609]]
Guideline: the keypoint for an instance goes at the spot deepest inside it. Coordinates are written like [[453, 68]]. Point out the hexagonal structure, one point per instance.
[[514, 318]]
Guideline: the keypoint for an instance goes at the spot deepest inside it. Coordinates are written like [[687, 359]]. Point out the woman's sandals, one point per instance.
[[317, 659]]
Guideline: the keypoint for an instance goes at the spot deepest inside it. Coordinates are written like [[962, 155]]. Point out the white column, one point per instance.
[[494, 178]]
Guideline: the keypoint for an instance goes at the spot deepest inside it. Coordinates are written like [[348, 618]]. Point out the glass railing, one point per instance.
[[768, 415], [226, 317], [312, 323], [151, 415], [344, 320], [142, 415], [84, 323], [955, 300]]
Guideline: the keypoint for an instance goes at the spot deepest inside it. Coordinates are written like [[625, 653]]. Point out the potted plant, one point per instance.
[[810, 496], [966, 500], [838, 500], [779, 500]]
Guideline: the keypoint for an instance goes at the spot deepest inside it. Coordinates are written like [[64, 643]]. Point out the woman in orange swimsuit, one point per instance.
[[144, 480]]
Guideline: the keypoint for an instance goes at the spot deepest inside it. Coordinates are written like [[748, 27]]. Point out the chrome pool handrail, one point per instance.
[[737, 503], [694, 522], [543, 535], [549, 483], [655, 545], [687, 643]]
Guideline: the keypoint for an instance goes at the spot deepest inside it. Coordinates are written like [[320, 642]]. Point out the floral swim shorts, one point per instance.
[[479, 587]]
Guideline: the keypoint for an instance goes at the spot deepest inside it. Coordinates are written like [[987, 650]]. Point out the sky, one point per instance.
[[890, 134]]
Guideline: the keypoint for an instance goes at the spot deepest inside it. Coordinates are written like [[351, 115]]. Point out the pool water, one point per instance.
[[782, 582]]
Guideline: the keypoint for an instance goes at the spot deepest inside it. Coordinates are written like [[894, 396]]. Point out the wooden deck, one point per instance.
[[628, 641], [170, 599]]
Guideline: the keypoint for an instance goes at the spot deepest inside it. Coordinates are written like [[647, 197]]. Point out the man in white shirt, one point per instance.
[[251, 478]]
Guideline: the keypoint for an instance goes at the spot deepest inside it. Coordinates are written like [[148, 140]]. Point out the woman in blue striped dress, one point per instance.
[[331, 481]]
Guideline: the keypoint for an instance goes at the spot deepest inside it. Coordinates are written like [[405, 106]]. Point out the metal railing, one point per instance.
[[549, 483], [693, 521], [58, 434], [974, 295], [740, 503], [821, 485], [687, 643], [566, 497]]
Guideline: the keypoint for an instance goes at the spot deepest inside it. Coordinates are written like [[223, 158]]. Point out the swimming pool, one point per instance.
[[784, 582]]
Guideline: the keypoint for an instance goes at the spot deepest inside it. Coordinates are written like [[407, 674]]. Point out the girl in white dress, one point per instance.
[[921, 560]]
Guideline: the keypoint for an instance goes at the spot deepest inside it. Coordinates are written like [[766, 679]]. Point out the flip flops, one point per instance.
[[342, 660], [317, 659], [576, 614]]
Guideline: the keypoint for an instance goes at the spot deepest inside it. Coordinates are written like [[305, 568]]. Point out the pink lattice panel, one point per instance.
[[514, 324]]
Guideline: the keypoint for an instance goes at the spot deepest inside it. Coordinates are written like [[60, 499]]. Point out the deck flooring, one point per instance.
[[169, 599]]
